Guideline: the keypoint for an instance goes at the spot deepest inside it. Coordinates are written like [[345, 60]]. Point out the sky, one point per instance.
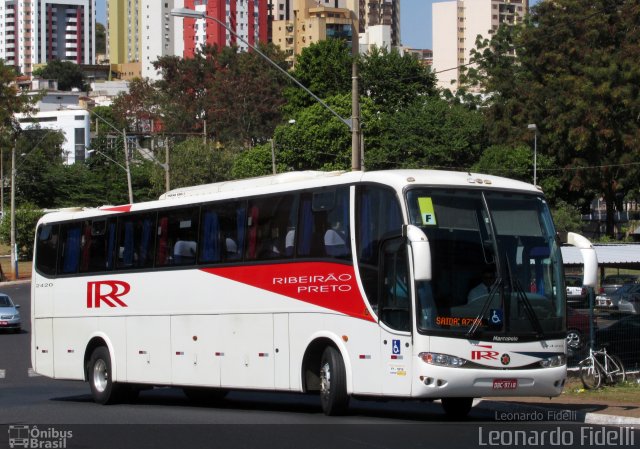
[[415, 21]]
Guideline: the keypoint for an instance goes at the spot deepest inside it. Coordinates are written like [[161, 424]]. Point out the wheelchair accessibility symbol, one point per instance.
[[495, 317], [395, 347]]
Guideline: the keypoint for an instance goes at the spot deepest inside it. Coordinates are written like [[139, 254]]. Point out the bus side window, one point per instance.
[[47, 249], [271, 220], [176, 236], [222, 232], [324, 224], [135, 241], [70, 238], [96, 246], [337, 241]]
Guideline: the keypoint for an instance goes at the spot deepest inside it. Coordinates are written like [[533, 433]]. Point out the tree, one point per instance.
[[429, 133], [193, 162], [27, 216], [68, 74], [39, 166], [137, 107], [101, 39], [325, 69], [517, 163], [254, 162], [237, 93], [576, 76], [566, 217], [318, 140], [12, 102], [392, 80]]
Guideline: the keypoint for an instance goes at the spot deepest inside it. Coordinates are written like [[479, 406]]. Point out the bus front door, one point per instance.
[[394, 306]]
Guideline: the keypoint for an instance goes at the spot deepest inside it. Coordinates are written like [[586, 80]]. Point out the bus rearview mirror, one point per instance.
[[421, 252]]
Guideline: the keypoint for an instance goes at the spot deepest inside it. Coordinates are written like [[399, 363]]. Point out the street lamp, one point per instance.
[[353, 123], [126, 153], [534, 128]]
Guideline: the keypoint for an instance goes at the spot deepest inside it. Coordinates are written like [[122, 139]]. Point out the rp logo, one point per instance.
[[107, 292]]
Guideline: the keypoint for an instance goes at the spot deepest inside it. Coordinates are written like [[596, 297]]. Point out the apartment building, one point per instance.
[[310, 21], [247, 18], [456, 25], [37, 31], [123, 31], [373, 13]]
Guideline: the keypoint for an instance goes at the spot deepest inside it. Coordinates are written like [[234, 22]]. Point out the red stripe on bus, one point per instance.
[[123, 208], [324, 284]]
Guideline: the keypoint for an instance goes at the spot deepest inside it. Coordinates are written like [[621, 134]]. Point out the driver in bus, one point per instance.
[[484, 287]]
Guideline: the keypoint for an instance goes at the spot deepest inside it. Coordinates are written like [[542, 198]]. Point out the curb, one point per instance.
[[581, 417], [18, 282]]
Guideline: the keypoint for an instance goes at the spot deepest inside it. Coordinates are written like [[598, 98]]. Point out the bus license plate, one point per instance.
[[505, 384]]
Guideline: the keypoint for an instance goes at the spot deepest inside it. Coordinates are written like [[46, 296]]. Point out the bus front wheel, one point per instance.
[[457, 408], [99, 375], [333, 383]]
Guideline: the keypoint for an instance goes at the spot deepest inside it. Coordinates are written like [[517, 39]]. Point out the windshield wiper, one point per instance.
[[485, 307], [522, 296]]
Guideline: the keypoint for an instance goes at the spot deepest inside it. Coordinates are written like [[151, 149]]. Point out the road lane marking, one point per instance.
[[32, 373], [3, 373]]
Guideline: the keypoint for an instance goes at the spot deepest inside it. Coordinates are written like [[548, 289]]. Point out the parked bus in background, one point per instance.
[[347, 284]]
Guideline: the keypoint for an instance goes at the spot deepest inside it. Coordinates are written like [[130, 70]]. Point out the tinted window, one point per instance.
[[324, 224], [97, 245], [47, 249], [270, 227], [70, 240], [222, 231], [135, 241], [177, 237]]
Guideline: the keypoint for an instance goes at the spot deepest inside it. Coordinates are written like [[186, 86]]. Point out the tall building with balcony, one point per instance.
[[123, 31], [373, 13], [311, 21], [247, 18], [456, 25], [37, 31], [160, 34]]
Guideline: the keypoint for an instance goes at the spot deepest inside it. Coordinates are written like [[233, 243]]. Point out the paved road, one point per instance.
[[48, 409]]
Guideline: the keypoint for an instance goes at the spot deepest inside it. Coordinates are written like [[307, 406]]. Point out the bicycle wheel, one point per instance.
[[590, 373], [615, 370]]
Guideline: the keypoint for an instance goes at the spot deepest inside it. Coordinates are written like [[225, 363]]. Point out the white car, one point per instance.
[[576, 292]]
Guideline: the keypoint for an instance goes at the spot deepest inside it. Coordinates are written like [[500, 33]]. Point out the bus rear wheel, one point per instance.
[[103, 389], [333, 383], [457, 408]]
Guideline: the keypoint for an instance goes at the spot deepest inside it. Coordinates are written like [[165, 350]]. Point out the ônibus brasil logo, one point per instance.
[[107, 293]]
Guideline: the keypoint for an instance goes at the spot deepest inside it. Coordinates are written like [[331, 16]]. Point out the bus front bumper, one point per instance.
[[439, 381]]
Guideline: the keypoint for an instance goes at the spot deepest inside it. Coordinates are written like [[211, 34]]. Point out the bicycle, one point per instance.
[[598, 365]]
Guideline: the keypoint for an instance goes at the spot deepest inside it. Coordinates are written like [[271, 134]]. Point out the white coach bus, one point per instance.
[[406, 284]]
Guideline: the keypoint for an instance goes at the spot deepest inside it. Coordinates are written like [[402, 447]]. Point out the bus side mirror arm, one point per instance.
[[588, 256], [420, 250]]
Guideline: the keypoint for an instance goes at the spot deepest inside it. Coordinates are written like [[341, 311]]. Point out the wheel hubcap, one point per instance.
[[573, 340], [100, 375]]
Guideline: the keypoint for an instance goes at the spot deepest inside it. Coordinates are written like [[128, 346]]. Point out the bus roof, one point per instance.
[[398, 179]]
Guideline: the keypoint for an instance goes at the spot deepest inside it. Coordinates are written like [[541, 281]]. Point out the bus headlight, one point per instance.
[[433, 358], [553, 361]]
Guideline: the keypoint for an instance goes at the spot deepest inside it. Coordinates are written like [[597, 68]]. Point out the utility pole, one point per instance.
[[356, 160], [126, 164], [14, 246], [167, 178]]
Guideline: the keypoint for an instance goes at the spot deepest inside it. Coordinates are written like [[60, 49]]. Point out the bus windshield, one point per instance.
[[496, 267]]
